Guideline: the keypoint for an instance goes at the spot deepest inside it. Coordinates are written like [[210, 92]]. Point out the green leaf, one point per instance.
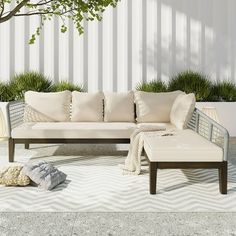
[[192, 82], [34, 81], [65, 85], [155, 86], [75, 10]]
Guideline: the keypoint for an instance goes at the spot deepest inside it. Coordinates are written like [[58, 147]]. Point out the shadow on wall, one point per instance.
[[137, 40], [197, 35]]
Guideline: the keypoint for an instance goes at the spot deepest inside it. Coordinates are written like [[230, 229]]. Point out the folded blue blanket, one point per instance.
[[44, 174]]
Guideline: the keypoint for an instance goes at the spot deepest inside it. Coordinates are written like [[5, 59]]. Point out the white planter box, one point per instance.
[[226, 112], [5, 120]]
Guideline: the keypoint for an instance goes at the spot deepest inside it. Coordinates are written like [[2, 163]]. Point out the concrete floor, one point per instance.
[[109, 224]]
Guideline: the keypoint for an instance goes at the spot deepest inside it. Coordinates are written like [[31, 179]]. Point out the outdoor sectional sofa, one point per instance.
[[74, 117]]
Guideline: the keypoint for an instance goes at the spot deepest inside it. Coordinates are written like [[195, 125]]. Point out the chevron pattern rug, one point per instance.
[[96, 184]]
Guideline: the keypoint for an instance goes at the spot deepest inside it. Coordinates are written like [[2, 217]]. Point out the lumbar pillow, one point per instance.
[[87, 106], [46, 107], [182, 110], [154, 107], [13, 176], [119, 107], [44, 174]]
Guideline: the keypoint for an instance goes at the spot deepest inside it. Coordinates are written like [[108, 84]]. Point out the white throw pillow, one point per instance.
[[47, 106], [119, 107], [154, 107], [182, 110], [87, 107]]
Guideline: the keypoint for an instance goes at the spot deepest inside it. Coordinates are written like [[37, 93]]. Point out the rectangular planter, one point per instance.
[[226, 112], [5, 120]]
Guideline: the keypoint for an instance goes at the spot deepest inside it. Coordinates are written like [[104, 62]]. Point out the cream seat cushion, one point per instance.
[[84, 130], [119, 107], [182, 110], [47, 107], [73, 130], [166, 126], [154, 107], [87, 107], [183, 146]]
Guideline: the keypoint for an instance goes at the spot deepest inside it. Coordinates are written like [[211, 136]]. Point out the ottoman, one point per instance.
[[185, 149]]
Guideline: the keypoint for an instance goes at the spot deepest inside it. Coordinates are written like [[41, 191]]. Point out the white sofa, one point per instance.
[[109, 116], [74, 117]]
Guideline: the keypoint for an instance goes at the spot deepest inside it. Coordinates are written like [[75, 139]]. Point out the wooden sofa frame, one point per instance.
[[27, 142], [221, 166], [200, 123]]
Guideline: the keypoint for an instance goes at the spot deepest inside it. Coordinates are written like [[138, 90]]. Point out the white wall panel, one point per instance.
[[138, 41], [63, 55], [107, 50], [48, 48], [78, 60], [181, 41], [122, 50], [166, 39], [19, 54], [93, 56], [232, 38], [34, 52], [5, 51], [151, 35]]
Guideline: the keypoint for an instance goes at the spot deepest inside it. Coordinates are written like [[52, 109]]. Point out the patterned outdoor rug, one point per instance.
[[96, 184]]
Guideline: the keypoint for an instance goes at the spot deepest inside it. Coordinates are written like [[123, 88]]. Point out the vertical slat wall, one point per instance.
[[140, 40]]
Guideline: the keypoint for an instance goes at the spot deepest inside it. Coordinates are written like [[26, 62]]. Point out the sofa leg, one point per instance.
[[11, 149], [223, 174], [152, 177], [27, 145]]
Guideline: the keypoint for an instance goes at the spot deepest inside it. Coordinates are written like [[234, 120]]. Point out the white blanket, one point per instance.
[[132, 164]]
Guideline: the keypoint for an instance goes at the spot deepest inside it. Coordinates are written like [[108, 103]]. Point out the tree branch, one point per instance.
[[2, 8], [42, 13], [40, 3], [14, 11], [33, 13]]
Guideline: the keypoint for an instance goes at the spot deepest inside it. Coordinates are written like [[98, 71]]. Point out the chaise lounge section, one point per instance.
[[184, 150]]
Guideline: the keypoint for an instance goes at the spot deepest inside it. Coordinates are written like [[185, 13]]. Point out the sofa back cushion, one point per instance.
[[46, 107], [119, 107], [87, 107], [182, 110], [154, 107]]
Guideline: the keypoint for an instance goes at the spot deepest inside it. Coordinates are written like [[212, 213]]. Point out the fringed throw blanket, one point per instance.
[[132, 164]]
